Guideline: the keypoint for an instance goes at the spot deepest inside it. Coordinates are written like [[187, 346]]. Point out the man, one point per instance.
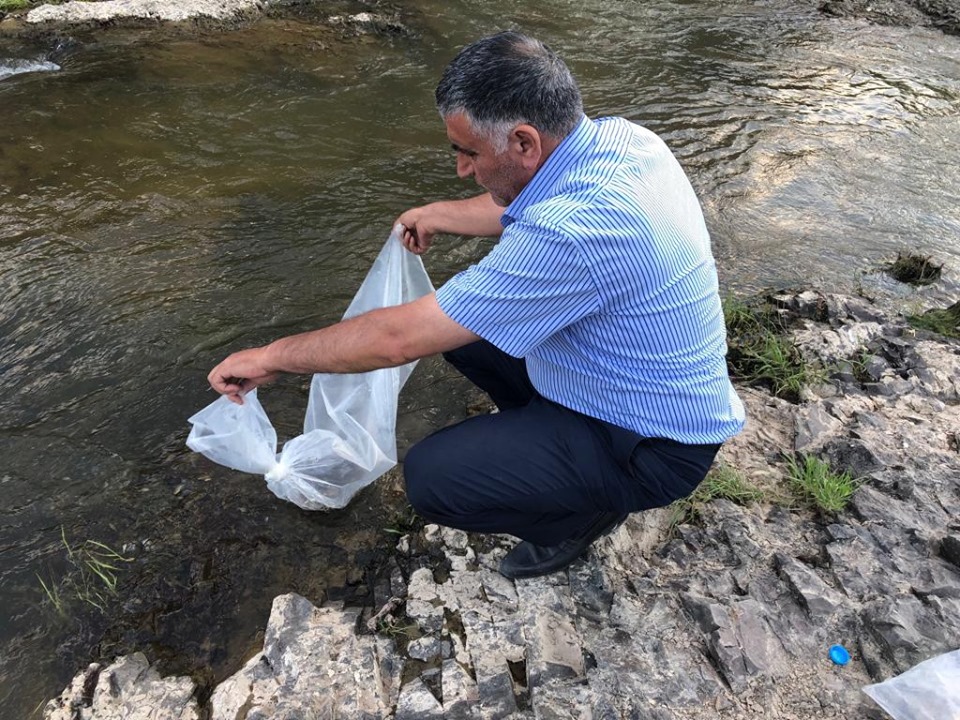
[[594, 324]]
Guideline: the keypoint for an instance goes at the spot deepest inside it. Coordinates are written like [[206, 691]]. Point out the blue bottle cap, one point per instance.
[[839, 655]]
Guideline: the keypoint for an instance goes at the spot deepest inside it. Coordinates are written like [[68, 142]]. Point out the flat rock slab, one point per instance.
[[160, 10]]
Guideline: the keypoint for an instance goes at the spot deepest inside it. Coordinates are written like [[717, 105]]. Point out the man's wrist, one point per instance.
[[272, 357]]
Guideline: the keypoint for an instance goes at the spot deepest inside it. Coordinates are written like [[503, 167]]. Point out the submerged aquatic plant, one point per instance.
[[91, 575]]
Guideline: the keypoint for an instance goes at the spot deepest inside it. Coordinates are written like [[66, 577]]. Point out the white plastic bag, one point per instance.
[[349, 433], [927, 691]]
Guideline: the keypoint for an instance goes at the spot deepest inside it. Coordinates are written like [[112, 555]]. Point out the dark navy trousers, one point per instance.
[[537, 470]]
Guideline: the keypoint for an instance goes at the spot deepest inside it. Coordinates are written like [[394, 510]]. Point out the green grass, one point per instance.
[[760, 352], [11, 5], [91, 575], [945, 321], [405, 521], [814, 482], [722, 481]]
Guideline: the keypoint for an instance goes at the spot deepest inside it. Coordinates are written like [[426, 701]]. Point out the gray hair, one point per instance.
[[508, 79]]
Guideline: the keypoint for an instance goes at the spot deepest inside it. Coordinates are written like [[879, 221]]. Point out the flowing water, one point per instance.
[[166, 198]]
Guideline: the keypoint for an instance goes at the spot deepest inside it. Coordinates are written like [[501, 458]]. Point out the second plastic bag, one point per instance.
[[928, 691], [349, 433]]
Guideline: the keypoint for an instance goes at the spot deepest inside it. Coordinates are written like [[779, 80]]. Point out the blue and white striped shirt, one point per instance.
[[604, 281]]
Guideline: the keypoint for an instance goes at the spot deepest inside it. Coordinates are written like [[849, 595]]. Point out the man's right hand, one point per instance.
[[418, 231], [240, 373], [474, 216]]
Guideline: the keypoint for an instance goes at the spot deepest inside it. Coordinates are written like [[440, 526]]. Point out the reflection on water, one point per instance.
[[164, 200], [18, 66]]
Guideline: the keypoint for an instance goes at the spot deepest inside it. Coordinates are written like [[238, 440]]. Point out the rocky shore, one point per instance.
[[727, 614], [941, 14]]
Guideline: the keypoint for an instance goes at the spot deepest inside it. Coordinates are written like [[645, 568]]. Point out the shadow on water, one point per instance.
[[169, 196]]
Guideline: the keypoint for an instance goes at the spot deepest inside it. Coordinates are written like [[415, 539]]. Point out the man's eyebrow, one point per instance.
[[459, 149]]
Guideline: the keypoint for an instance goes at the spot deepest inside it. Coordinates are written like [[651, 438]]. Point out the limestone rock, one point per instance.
[[729, 616], [128, 689], [313, 662], [108, 10]]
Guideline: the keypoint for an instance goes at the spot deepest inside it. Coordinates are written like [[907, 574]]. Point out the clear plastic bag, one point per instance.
[[927, 691], [349, 433]]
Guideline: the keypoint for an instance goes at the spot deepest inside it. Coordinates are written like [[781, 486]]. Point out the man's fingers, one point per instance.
[[410, 241]]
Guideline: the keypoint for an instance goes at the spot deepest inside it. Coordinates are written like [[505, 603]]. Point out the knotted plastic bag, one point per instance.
[[349, 433]]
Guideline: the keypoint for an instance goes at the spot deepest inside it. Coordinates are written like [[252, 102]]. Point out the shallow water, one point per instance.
[[168, 198]]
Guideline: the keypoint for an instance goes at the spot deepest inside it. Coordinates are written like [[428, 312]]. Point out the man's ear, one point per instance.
[[526, 141]]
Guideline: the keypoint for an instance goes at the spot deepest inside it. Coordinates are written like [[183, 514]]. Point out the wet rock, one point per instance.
[[366, 22], [941, 14]]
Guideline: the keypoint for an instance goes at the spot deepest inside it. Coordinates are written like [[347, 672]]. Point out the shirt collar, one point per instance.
[[546, 178]]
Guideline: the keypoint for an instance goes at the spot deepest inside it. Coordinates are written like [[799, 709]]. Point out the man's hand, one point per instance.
[[418, 230], [240, 373], [476, 216]]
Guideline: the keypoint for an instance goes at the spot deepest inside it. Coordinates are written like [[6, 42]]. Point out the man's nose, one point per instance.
[[464, 167]]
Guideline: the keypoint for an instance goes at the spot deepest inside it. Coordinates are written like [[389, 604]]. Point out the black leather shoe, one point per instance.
[[527, 560]]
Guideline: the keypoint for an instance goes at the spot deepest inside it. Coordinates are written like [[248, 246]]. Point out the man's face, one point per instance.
[[501, 174]]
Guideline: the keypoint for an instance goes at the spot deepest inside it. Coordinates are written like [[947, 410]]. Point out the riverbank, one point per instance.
[[727, 612], [940, 14], [84, 17], [41, 19]]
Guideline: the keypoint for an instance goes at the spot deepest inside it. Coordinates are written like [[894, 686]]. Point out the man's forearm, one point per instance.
[[478, 215], [363, 343], [381, 338]]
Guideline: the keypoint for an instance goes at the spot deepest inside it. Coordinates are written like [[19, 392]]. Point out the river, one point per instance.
[[168, 197]]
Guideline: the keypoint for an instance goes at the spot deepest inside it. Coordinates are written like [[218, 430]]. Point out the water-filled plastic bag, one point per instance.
[[349, 433]]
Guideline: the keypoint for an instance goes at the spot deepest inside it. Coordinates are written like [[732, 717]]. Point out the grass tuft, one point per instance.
[[914, 269], [945, 321], [814, 482], [722, 481], [760, 353], [404, 522]]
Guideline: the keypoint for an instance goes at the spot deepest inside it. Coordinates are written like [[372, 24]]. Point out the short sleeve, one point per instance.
[[532, 284]]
